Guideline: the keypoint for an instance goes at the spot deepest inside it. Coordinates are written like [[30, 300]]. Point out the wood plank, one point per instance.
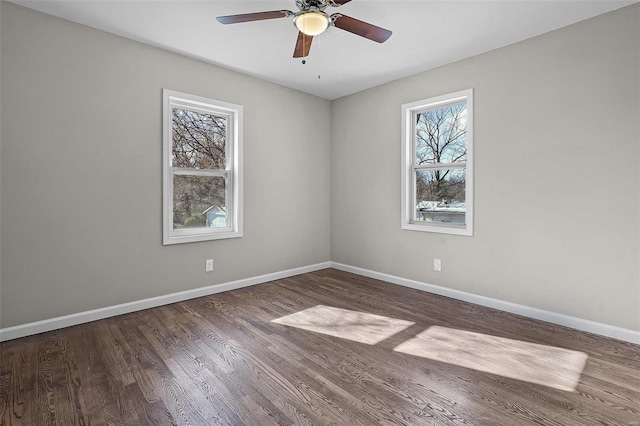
[[220, 360]]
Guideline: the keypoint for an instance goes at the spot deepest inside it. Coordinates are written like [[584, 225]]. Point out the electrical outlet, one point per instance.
[[437, 265], [208, 266]]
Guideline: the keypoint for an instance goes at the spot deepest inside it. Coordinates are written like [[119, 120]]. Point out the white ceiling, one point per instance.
[[426, 34]]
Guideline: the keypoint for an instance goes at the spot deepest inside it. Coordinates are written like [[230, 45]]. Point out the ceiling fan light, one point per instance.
[[311, 23]]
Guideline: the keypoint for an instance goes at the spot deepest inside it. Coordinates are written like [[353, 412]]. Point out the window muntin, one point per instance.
[[437, 186], [202, 169]]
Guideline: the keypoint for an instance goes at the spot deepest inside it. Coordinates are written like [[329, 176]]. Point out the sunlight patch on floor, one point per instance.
[[534, 363], [352, 325]]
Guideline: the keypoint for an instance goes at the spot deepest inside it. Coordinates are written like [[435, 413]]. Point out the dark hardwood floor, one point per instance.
[[219, 360]]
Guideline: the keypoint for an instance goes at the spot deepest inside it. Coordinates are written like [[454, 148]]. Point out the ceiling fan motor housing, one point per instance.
[[320, 5]]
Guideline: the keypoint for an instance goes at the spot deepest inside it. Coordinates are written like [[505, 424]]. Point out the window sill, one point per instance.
[[464, 230], [179, 238]]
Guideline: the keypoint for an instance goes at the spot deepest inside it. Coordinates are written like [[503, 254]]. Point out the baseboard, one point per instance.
[[619, 333], [29, 329]]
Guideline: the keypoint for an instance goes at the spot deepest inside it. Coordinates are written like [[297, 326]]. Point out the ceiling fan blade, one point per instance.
[[336, 3], [361, 28], [258, 16], [303, 45]]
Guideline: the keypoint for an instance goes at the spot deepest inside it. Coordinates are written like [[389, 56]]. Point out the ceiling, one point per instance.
[[426, 34]]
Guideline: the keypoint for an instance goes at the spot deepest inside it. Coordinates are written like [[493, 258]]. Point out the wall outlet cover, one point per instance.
[[437, 265]]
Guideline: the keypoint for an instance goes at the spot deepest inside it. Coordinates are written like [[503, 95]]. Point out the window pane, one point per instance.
[[198, 140], [440, 195], [199, 202], [441, 135]]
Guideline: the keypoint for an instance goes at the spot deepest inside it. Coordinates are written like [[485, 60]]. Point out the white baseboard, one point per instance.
[[619, 333], [29, 329]]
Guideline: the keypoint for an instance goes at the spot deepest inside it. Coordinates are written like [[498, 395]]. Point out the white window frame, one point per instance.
[[232, 173], [409, 168]]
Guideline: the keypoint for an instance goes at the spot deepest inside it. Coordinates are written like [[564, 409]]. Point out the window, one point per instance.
[[202, 149], [437, 164]]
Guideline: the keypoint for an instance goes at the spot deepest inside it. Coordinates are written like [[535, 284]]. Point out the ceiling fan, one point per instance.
[[311, 20]]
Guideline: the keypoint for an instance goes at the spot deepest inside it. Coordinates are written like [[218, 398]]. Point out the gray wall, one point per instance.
[[556, 175], [81, 172]]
